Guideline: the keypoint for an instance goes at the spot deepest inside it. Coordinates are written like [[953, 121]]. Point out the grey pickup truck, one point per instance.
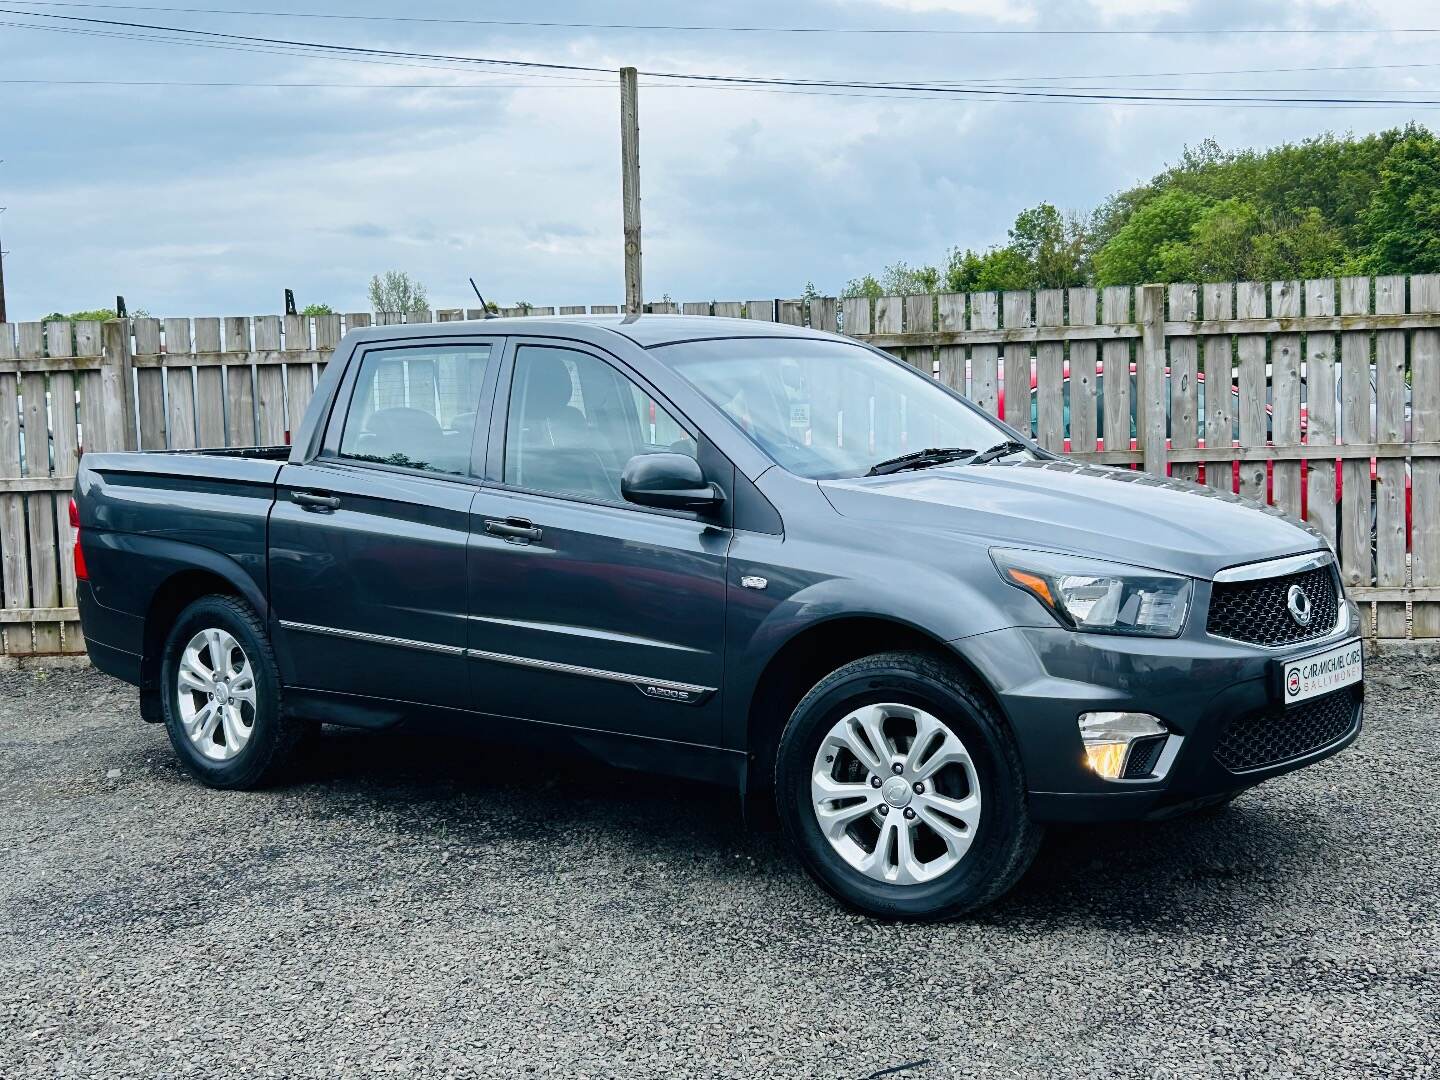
[[734, 551]]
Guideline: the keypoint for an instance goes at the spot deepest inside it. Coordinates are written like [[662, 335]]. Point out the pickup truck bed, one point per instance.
[[164, 520]]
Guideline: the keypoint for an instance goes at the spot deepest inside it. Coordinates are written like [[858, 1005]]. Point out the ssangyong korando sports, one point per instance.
[[727, 550]]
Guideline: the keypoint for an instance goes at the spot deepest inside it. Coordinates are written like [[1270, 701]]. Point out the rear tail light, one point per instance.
[[81, 573]]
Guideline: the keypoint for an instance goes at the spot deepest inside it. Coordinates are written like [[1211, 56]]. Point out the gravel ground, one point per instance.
[[424, 908]]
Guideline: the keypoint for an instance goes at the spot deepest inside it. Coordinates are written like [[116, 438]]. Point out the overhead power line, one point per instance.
[[262, 50], [977, 81], [750, 29], [605, 84], [528, 68]]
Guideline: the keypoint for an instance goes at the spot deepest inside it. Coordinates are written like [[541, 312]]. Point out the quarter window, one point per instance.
[[574, 422], [416, 408]]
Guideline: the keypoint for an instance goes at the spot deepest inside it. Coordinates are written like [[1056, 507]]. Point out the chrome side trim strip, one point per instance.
[[1289, 564], [374, 639], [588, 672], [639, 681], [583, 632]]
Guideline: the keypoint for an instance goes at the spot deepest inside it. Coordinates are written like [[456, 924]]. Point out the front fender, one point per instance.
[[944, 603]]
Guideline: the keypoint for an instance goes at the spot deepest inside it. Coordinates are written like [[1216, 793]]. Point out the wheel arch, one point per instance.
[[172, 596], [811, 654]]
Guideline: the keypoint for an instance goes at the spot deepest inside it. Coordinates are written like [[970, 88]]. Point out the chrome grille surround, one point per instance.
[[1248, 603]]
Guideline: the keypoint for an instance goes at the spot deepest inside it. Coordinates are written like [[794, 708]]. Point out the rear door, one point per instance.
[[586, 610], [368, 541]]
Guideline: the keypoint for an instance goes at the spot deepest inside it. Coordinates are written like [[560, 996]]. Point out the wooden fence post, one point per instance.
[[1150, 379], [117, 384], [1425, 528]]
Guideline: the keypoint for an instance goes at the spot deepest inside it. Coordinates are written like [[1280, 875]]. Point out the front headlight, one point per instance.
[[1101, 597]]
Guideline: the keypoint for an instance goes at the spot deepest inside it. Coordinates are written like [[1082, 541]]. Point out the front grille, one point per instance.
[[1274, 735], [1257, 611]]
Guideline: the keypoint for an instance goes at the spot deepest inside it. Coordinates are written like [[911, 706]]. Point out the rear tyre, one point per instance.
[[900, 787], [220, 692]]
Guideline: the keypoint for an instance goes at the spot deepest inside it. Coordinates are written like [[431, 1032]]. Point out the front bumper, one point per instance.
[[1044, 677]]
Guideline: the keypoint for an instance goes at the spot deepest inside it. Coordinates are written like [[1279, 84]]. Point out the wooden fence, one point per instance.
[[1269, 389]]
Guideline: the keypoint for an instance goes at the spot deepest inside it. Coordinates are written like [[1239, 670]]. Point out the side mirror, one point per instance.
[[669, 482]]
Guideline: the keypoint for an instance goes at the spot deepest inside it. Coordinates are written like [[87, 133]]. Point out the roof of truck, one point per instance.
[[646, 331]]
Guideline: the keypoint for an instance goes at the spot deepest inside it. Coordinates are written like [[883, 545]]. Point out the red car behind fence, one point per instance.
[[1200, 427]]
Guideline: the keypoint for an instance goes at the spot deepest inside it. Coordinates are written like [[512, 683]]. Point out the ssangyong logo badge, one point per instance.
[[1298, 601]]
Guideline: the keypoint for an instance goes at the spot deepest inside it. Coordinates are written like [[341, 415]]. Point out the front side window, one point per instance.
[[574, 422], [416, 408], [825, 409]]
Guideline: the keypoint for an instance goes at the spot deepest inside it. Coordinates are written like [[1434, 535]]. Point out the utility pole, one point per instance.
[[2, 267], [630, 186]]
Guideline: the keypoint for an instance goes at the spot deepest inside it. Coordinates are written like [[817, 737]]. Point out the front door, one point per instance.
[[586, 610], [368, 541]]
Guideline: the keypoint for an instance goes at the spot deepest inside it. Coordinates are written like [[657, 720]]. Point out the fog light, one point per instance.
[[1108, 737]]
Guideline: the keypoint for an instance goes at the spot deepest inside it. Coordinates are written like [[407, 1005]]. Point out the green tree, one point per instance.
[[1218, 247], [901, 279], [897, 279], [1306, 246], [317, 309], [395, 291], [1132, 255], [863, 286], [1054, 246], [95, 315], [1403, 219], [1321, 207], [995, 270]]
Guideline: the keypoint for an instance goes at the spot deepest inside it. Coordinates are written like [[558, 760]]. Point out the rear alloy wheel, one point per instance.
[[220, 691], [900, 787], [215, 694]]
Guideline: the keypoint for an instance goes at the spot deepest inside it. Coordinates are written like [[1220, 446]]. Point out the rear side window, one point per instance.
[[416, 408]]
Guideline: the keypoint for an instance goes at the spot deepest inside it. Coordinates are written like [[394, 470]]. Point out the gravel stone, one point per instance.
[[418, 906]]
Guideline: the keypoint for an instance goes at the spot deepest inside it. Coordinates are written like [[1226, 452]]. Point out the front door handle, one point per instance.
[[514, 530], [321, 504]]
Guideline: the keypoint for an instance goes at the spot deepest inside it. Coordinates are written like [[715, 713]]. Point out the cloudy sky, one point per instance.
[[193, 199]]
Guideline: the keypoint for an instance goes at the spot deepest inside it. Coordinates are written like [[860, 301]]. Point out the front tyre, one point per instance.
[[220, 690], [901, 789]]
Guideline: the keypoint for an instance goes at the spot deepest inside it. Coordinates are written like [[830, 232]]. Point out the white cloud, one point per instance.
[[998, 10], [212, 201], [1124, 9]]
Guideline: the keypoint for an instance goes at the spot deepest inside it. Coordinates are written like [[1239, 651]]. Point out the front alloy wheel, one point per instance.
[[895, 793], [900, 787]]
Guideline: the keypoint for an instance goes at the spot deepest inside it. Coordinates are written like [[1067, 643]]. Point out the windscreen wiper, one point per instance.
[[920, 459], [999, 450]]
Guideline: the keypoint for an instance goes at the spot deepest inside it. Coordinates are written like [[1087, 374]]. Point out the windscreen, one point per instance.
[[826, 409]]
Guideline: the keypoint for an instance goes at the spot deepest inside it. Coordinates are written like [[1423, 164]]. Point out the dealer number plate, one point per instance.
[[1322, 672]]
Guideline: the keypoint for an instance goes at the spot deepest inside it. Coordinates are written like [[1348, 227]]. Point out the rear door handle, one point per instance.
[[514, 530], [321, 504]]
